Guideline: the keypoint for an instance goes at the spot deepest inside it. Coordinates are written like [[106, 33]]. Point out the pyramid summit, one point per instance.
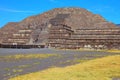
[[55, 27]]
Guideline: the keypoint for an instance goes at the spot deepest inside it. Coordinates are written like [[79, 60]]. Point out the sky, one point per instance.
[[17, 10]]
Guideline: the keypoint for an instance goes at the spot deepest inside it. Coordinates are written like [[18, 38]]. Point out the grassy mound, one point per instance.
[[99, 69]]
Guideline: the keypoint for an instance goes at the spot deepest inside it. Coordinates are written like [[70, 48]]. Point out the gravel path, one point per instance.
[[13, 68]]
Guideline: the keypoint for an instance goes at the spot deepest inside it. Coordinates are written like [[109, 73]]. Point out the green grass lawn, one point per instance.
[[99, 69]]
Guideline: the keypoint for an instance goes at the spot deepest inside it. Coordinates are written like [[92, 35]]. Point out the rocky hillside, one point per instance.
[[76, 18]]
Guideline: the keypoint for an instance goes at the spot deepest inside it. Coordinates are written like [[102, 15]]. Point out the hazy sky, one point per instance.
[[17, 10]]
